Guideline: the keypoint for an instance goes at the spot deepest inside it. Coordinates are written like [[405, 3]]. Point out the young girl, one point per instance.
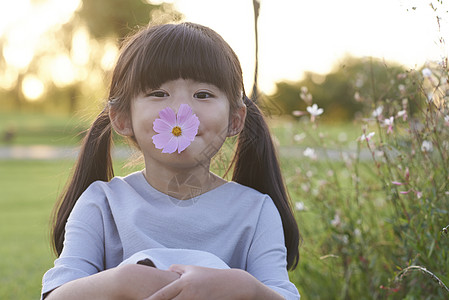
[[175, 230]]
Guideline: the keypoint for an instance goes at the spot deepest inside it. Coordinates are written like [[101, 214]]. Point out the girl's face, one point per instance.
[[210, 105]]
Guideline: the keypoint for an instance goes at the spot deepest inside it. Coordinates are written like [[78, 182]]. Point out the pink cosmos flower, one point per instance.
[[175, 132]]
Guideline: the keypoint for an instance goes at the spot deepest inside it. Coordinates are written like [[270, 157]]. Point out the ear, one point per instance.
[[121, 123], [237, 121]]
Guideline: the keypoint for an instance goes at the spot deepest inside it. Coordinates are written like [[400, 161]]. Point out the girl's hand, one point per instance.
[[201, 283], [125, 282]]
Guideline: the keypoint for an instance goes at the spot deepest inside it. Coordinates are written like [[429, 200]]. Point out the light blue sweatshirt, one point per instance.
[[115, 220]]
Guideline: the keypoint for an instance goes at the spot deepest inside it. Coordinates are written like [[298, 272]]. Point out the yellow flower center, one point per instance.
[[176, 131]]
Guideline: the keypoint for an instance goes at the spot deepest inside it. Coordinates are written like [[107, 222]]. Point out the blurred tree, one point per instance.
[[116, 18], [70, 58], [336, 92]]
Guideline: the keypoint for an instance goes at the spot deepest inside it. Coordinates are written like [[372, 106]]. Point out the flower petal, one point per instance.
[[184, 113], [168, 115], [190, 133], [161, 126], [191, 126], [161, 139], [171, 146], [183, 143]]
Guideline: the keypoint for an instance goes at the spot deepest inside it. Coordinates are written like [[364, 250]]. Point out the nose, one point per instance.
[[180, 99]]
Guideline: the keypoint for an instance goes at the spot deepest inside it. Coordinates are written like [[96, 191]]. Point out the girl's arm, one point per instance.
[[204, 283], [123, 282]]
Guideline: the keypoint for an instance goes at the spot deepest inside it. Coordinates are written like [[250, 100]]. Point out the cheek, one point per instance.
[[143, 123], [214, 127]]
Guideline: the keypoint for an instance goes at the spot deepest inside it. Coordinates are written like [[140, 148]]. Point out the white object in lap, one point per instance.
[[163, 258]]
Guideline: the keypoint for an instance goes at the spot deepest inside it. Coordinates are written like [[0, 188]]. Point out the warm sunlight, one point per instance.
[[23, 24], [62, 71], [294, 36], [109, 56], [32, 87]]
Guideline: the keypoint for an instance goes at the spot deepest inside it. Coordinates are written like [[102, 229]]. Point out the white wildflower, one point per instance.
[[426, 72], [389, 121], [314, 110], [378, 111], [426, 146], [367, 137], [299, 137], [310, 153], [300, 206], [336, 220]]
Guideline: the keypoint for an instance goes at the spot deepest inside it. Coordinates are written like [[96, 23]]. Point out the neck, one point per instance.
[[181, 183]]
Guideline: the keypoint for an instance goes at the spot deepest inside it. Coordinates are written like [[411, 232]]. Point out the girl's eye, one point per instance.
[[158, 94], [203, 95]]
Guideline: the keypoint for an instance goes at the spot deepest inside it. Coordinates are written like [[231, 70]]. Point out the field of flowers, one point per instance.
[[374, 215]]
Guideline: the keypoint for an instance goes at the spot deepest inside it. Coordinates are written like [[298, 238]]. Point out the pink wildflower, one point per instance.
[[397, 183], [298, 113], [175, 132], [389, 122]]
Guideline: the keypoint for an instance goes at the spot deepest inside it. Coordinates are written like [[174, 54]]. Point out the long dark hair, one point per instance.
[[149, 58]]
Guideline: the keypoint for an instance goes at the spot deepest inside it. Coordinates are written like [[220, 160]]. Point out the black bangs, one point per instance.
[[188, 51]]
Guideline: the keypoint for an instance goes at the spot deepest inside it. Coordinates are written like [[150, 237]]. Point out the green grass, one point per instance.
[[41, 129], [29, 190]]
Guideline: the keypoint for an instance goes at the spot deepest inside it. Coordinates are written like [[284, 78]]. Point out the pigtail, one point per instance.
[[94, 163], [256, 165]]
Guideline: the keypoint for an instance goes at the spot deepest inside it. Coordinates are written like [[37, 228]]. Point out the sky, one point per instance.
[[295, 36]]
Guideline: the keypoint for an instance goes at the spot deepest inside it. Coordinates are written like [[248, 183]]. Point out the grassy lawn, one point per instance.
[[32, 129], [59, 130], [29, 190]]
